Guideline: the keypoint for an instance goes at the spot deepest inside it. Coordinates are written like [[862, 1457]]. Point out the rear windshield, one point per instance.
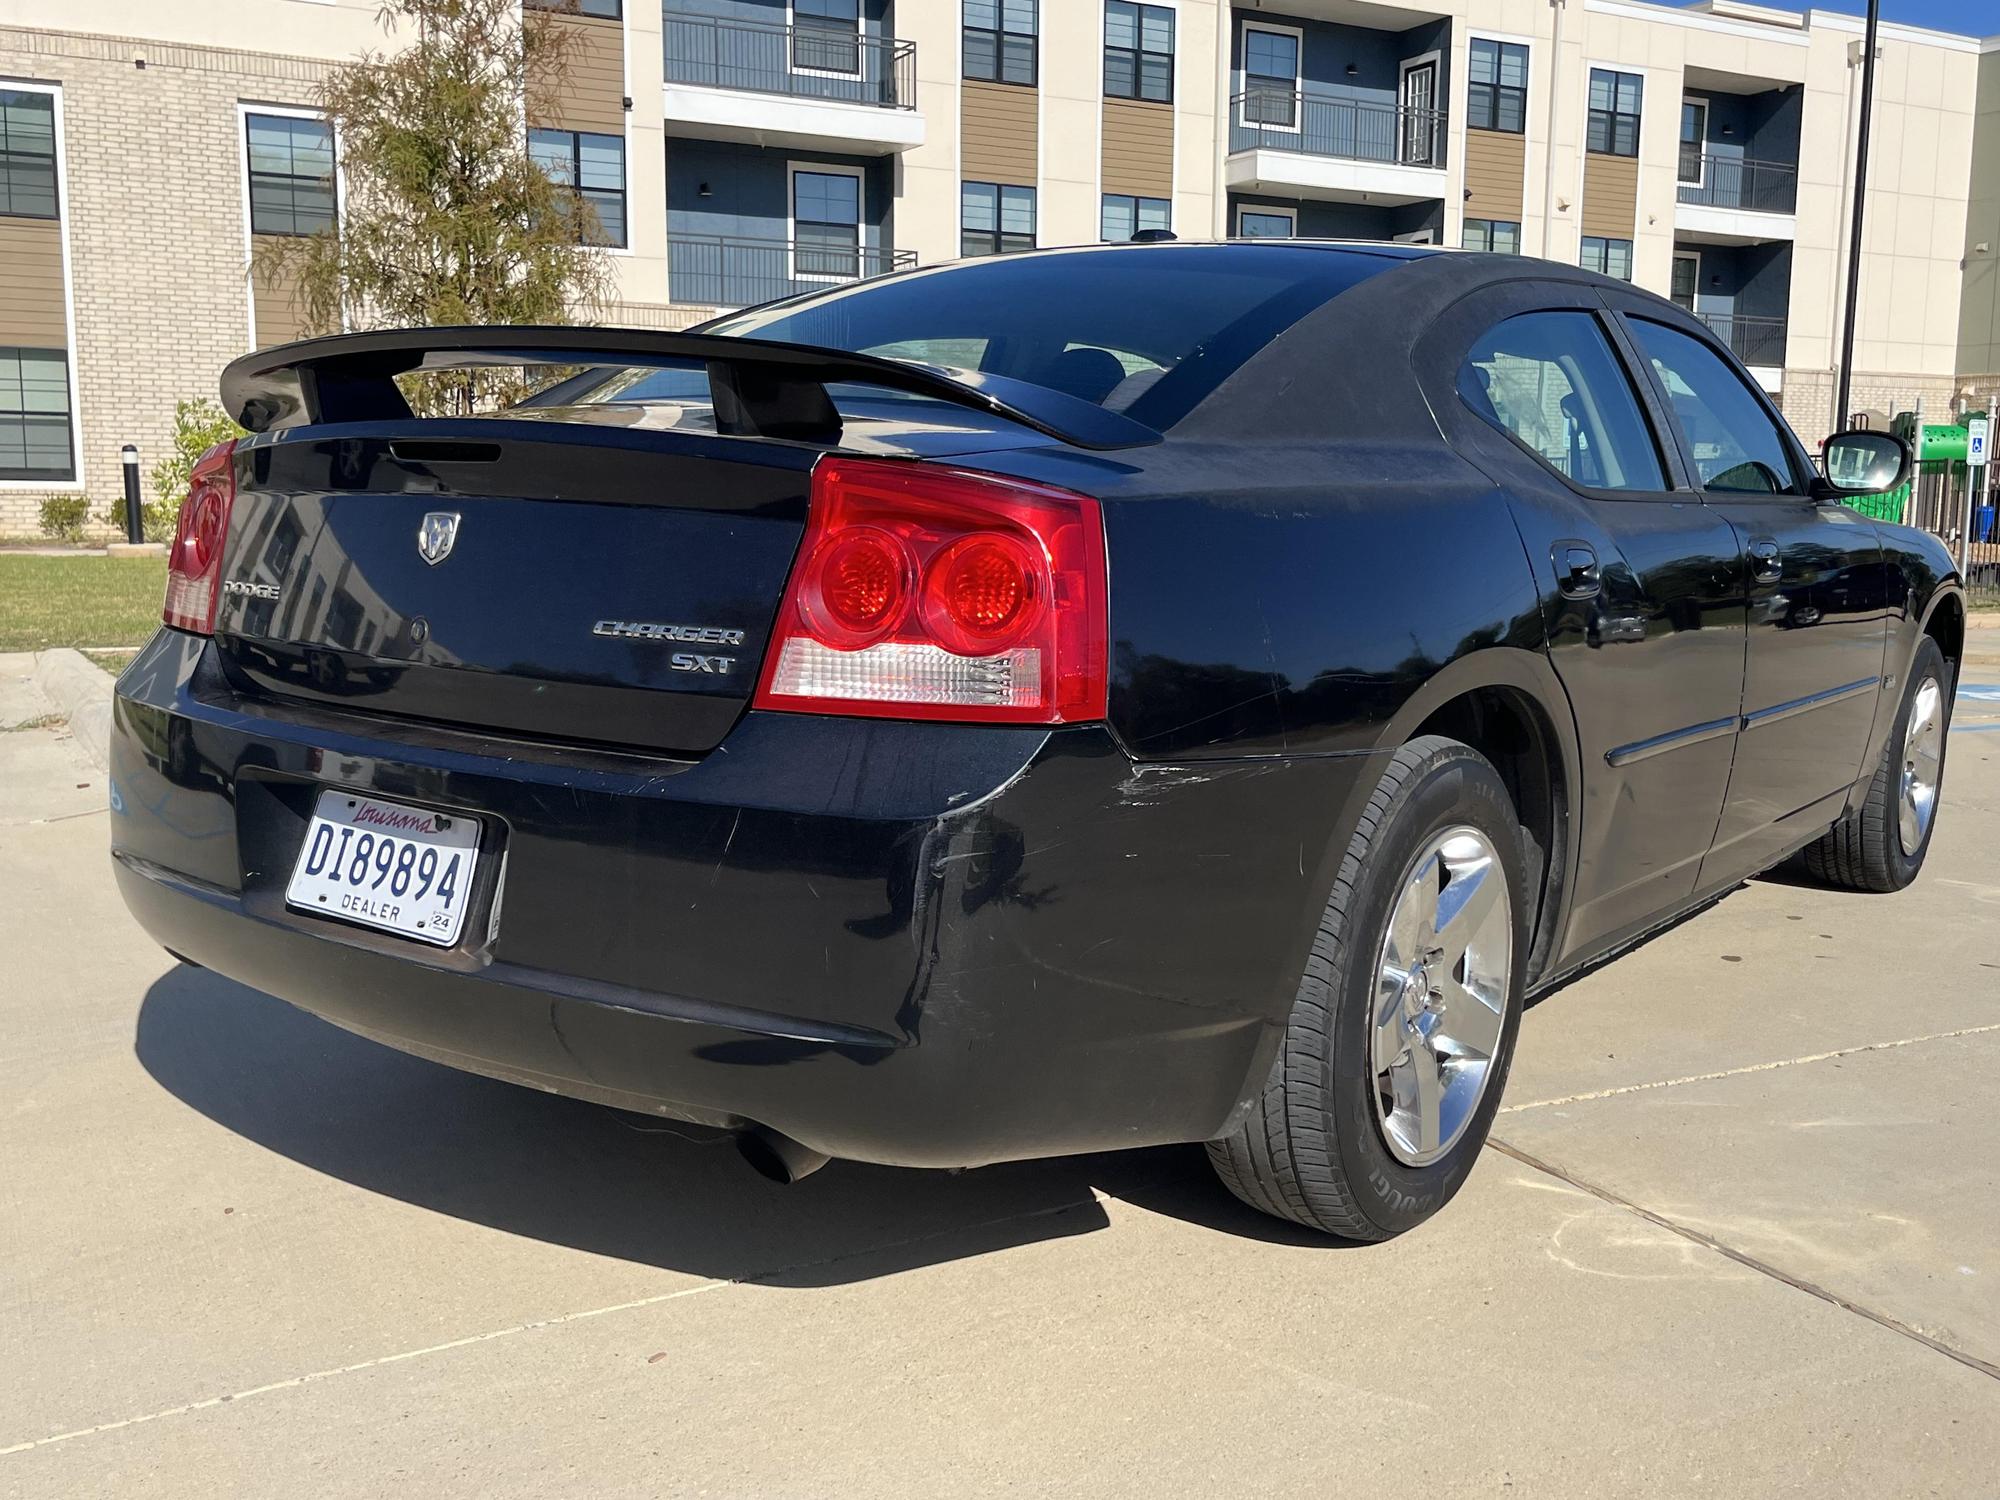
[[1148, 330]]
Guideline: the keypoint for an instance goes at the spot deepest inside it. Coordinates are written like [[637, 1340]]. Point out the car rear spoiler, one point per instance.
[[760, 388]]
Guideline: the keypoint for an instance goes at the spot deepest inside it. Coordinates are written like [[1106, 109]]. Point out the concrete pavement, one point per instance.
[[1741, 1235]]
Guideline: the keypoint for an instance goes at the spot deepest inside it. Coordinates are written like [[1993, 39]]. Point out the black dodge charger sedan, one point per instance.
[[1078, 700]]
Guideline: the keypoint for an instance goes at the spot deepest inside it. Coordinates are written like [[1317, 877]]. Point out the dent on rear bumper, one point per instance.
[[915, 944]]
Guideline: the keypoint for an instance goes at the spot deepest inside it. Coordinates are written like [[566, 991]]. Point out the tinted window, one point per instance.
[[1195, 311], [1551, 382], [1736, 445]]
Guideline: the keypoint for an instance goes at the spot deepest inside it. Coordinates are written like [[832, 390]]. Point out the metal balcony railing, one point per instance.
[[1768, 187], [727, 271], [1754, 340], [807, 61], [1353, 129]]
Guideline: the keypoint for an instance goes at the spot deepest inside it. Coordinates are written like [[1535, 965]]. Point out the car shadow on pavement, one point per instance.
[[651, 1191]]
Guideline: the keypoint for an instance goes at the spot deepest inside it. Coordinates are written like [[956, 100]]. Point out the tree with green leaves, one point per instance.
[[445, 217]]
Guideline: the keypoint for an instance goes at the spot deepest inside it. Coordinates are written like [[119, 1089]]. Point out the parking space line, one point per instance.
[[1763, 1067], [1751, 1262]]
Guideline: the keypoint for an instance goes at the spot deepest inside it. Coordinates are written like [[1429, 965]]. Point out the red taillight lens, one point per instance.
[[932, 593], [194, 565]]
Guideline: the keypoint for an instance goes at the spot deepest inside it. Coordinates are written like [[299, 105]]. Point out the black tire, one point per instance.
[[1864, 850], [1312, 1148]]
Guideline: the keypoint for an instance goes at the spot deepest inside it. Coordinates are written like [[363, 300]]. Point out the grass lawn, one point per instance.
[[79, 601]]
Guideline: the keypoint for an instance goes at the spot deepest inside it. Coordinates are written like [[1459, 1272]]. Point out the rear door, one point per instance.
[[1642, 599], [1819, 600]]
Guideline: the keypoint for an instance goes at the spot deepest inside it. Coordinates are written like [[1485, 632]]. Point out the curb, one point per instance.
[[81, 694]]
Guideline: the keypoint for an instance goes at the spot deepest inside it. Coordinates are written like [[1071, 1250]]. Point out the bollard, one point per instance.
[[135, 521]]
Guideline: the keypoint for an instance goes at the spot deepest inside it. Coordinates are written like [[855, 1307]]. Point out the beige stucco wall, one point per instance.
[[1979, 304]]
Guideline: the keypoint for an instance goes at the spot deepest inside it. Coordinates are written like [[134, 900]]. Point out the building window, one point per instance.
[[1614, 112], [826, 223], [995, 219], [604, 10], [1694, 132], [1608, 257], [1270, 77], [1266, 223], [1138, 51], [27, 154], [35, 415], [593, 166], [1125, 216], [826, 35], [1497, 98], [291, 175], [1499, 236], [1000, 40]]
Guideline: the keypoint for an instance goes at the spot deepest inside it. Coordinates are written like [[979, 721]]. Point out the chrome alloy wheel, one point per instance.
[[1923, 752], [1441, 994]]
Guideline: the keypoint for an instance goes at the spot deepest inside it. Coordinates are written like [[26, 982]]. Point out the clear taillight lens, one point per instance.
[[931, 593], [194, 565]]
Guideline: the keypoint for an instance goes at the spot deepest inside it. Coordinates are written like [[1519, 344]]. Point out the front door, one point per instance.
[[1687, 278], [1419, 113], [1819, 599], [1642, 599]]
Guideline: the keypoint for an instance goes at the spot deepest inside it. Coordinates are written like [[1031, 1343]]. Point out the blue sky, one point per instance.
[[1968, 17]]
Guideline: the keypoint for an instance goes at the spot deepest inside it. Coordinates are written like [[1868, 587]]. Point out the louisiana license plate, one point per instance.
[[406, 870]]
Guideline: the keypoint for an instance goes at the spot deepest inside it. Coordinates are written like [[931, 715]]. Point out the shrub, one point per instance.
[[198, 426], [64, 517]]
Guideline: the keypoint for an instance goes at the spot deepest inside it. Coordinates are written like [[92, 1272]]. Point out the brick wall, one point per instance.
[[1807, 401], [155, 222]]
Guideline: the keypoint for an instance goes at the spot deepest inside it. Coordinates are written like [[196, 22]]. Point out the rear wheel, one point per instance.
[[1880, 845], [1399, 1040]]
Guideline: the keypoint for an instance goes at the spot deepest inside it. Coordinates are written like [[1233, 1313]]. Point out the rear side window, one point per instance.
[[1735, 445], [1550, 381]]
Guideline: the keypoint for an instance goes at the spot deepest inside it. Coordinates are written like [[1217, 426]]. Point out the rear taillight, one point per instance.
[[932, 593], [194, 565]]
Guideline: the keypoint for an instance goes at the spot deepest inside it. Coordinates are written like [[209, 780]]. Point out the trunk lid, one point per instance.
[[540, 580]]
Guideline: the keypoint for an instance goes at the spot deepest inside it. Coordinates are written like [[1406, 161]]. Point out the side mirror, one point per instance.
[[1861, 462]]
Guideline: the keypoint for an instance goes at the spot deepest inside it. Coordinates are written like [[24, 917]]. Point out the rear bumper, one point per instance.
[[915, 944]]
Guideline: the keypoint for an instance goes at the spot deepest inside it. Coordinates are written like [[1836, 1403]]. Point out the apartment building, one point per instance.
[[737, 150]]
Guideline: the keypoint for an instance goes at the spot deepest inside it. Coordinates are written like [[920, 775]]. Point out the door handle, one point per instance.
[[1576, 570], [1766, 565]]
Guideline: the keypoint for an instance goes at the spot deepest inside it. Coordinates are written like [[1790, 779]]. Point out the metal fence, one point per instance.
[[1354, 129], [1937, 502], [729, 271], [1768, 187], [807, 61], [1754, 340]]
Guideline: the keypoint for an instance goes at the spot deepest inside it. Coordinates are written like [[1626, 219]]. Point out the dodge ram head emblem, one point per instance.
[[439, 531]]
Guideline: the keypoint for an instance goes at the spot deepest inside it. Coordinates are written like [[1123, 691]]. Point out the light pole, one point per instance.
[[1845, 387]]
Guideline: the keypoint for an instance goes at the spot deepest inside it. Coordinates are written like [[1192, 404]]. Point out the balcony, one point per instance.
[[727, 271], [1756, 341], [810, 85], [1735, 200], [1300, 145]]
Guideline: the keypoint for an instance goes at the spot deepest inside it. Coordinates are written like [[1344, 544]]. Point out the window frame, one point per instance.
[[249, 112], [1694, 294], [1614, 114], [1489, 248], [44, 479], [1500, 44], [1000, 33], [55, 213], [1700, 143], [792, 37], [998, 232], [1291, 214], [1138, 201], [1140, 52], [1803, 470], [1297, 123], [1607, 241], [825, 169], [623, 244], [617, 8]]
